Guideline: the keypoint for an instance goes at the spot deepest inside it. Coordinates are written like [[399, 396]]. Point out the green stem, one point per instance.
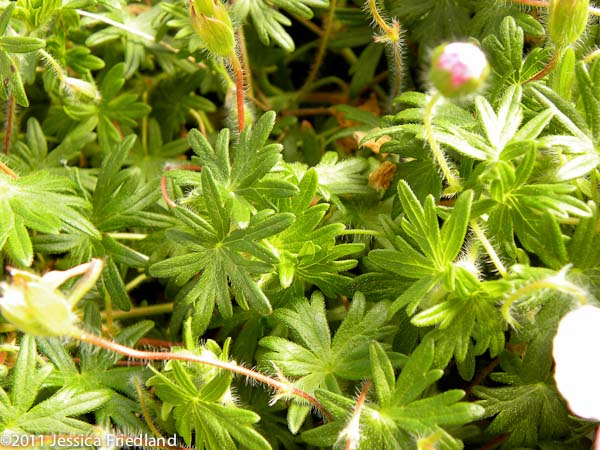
[[143, 311], [128, 236], [136, 282], [489, 249], [547, 283], [453, 183], [60, 72]]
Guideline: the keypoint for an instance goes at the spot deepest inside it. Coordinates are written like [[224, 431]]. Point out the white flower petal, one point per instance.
[[577, 360]]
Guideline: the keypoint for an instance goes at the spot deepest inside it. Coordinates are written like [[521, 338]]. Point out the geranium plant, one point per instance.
[[299, 224]]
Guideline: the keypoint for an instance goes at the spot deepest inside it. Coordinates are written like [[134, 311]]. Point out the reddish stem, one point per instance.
[[536, 3], [547, 68], [158, 342], [163, 181], [239, 91], [357, 410], [495, 442], [225, 365], [4, 168]]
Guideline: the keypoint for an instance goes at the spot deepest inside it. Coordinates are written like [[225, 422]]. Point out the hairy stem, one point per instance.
[[238, 72], [394, 51], [245, 59], [547, 68], [379, 20], [438, 154], [314, 70], [561, 285], [353, 429], [144, 408], [230, 366], [58, 69], [489, 249], [544, 4]]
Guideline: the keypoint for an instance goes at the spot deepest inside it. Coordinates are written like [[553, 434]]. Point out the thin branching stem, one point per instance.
[[231, 366], [314, 70]]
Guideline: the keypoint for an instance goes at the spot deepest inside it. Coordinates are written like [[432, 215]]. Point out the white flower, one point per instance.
[[577, 361]]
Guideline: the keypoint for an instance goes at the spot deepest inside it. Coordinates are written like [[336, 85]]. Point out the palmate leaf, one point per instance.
[[467, 327], [113, 108], [199, 399], [308, 253], [400, 413], [215, 248], [19, 412], [42, 202], [438, 248], [530, 410], [9, 69], [243, 174], [269, 22], [122, 199], [313, 358], [34, 153], [97, 371], [153, 154]]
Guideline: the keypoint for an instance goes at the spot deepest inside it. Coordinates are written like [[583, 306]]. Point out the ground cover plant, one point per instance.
[[299, 224]]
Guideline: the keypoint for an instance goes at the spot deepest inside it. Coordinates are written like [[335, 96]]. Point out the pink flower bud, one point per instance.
[[458, 69]]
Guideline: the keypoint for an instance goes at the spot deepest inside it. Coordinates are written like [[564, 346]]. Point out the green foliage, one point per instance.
[[201, 402], [319, 240], [57, 413], [316, 360], [399, 414]]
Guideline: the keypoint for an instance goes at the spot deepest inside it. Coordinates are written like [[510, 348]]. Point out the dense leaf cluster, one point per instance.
[[320, 244]]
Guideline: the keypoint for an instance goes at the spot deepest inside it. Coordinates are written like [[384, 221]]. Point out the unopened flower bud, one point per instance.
[[577, 365], [211, 22], [567, 20], [36, 306], [458, 69], [36, 309]]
